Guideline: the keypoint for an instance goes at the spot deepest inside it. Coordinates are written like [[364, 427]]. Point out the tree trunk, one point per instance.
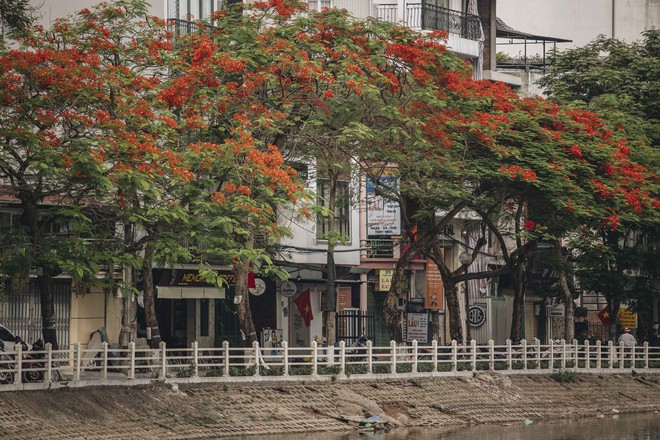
[[567, 299], [45, 283], [391, 316], [331, 288], [454, 312], [614, 320], [153, 330], [129, 307], [518, 304], [243, 306]]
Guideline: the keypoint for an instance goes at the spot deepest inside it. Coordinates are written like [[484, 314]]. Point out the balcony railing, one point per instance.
[[380, 248], [183, 27], [430, 17]]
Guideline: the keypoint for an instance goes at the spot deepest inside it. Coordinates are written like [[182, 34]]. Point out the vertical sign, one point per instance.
[[385, 279], [434, 287], [383, 214], [417, 323]]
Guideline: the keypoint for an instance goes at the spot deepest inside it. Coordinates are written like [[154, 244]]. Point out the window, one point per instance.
[[5, 219], [342, 211]]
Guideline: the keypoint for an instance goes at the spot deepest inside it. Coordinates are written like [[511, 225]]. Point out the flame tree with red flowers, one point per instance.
[[619, 81]]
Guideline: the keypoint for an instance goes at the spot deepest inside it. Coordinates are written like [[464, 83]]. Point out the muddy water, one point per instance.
[[610, 427]]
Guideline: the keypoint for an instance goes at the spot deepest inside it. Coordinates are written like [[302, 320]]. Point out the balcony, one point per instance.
[[422, 16]]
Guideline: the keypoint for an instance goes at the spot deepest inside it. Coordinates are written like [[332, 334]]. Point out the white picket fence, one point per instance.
[[82, 367]]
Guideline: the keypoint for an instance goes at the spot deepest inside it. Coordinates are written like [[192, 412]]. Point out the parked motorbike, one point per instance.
[[34, 365], [6, 366]]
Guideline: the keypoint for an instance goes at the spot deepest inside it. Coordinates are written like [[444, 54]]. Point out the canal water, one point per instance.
[[611, 427]]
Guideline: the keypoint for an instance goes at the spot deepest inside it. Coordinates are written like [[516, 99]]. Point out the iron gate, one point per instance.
[[21, 312], [351, 324]]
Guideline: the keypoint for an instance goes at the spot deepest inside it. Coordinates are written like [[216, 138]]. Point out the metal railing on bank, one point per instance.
[[79, 366]]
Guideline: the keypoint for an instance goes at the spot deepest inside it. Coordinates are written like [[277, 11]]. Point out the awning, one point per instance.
[[505, 31], [175, 292]]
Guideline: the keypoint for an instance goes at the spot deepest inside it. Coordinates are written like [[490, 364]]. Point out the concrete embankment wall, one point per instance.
[[229, 410]]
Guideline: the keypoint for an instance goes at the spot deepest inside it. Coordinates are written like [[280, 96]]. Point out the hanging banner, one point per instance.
[[383, 214], [434, 288], [385, 279]]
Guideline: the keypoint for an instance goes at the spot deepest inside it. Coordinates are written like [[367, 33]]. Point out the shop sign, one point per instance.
[[383, 214], [288, 289], [417, 327], [385, 279], [627, 318], [476, 316]]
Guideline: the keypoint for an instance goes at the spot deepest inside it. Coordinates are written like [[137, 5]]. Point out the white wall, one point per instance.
[[50, 10], [578, 20]]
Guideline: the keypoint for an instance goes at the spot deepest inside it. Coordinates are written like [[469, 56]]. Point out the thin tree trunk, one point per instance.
[[129, 308], [48, 331], [518, 304], [565, 294], [153, 330], [243, 306], [454, 311], [331, 288]]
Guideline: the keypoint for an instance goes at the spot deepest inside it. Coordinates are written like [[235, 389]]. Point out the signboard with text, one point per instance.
[[434, 299], [383, 214], [385, 279]]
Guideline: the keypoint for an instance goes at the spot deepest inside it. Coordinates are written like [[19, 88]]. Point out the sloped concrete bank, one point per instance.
[[231, 410]]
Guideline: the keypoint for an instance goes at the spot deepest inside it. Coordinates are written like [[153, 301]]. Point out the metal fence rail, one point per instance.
[[81, 367]]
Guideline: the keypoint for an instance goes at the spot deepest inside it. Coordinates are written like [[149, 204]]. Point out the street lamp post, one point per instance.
[[466, 259]]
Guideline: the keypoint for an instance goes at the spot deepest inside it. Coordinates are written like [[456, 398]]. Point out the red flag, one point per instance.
[[604, 316], [304, 305], [251, 282]]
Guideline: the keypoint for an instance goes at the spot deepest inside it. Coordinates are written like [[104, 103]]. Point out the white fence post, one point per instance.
[[509, 355], [537, 342], [491, 355], [342, 357], [131, 368], [434, 350], [257, 357], [195, 369], [370, 364], [285, 360], [524, 353], [552, 355], [587, 355], [454, 356], [104, 371], [315, 357], [76, 354], [612, 354], [393, 351], [163, 360], [473, 347], [49, 363], [225, 352], [414, 348], [646, 355]]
